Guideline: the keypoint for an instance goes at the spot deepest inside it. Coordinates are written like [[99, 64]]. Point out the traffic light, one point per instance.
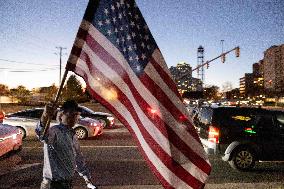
[[223, 58], [207, 65], [237, 51]]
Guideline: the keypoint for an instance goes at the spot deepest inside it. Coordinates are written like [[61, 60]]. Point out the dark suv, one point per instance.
[[242, 135]]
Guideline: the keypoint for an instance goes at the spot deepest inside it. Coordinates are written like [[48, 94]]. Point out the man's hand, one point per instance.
[[48, 113], [89, 183]]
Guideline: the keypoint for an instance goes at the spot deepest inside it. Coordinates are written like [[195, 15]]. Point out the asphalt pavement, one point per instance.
[[115, 163]]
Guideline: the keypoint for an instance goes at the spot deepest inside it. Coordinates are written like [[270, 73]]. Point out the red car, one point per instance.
[[10, 139]]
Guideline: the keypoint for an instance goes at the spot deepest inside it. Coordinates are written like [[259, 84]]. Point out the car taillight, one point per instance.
[[111, 120], [19, 132], [94, 124], [213, 134], [14, 136]]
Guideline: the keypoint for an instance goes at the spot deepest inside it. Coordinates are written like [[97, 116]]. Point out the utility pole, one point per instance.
[[60, 61], [222, 44]]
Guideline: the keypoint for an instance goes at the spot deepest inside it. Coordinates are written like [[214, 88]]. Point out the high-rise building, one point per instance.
[[273, 70], [256, 69], [257, 88], [182, 75], [246, 85]]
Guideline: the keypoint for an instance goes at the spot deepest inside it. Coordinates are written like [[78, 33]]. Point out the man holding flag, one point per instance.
[[124, 70], [62, 154]]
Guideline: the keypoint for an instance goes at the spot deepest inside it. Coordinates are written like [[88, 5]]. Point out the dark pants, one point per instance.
[[61, 184]]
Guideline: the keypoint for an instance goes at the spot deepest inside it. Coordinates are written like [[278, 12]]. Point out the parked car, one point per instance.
[[2, 115], [241, 135], [105, 118], [10, 139], [27, 120]]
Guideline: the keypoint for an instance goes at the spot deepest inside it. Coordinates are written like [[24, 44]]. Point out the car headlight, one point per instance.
[[110, 118], [94, 124], [14, 136]]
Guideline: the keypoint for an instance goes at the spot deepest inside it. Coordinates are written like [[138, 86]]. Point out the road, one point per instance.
[[115, 163]]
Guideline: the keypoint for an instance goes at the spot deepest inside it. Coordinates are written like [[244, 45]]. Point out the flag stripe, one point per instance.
[[166, 77], [142, 103], [158, 57], [141, 138], [177, 141], [121, 117], [115, 64], [166, 101], [124, 69]]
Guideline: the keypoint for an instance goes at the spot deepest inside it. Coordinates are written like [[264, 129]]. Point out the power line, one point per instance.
[[27, 70], [20, 62]]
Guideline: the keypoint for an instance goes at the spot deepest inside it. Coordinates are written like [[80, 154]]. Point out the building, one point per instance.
[[8, 100], [257, 88], [273, 70], [182, 75], [256, 69], [246, 85]]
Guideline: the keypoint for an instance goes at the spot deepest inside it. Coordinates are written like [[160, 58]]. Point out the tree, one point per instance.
[[211, 92], [4, 90], [193, 95], [73, 89], [49, 92], [21, 92], [227, 86]]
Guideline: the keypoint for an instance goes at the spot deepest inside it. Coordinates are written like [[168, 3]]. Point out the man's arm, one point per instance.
[[81, 166], [47, 115]]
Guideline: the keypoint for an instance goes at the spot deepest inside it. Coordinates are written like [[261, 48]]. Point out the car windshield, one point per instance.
[[86, 110], [280, 118]]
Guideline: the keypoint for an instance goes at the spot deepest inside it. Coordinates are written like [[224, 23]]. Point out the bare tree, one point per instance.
[[227, 86]]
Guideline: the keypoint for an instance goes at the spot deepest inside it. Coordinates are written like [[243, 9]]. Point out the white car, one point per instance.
[[27, 120]]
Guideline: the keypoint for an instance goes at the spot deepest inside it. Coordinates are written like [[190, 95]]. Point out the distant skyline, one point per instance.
[[32, 29]]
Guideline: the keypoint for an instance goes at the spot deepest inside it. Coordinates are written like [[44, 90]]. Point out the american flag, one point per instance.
[[124, 70]]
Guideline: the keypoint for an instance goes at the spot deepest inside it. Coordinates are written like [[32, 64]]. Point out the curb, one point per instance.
[[275, 185]]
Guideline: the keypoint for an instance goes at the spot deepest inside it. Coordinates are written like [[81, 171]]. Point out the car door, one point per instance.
[[30, 119], [267, 137], [279, 121]]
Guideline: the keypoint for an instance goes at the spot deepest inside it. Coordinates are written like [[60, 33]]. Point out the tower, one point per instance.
[[200, 61]]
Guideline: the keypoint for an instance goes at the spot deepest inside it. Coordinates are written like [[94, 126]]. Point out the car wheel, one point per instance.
[[243, 159], [103, 122], [22, 131], [81, 133]]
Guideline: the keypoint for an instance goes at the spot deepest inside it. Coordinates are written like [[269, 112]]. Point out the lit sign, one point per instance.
[[242, 118], [250, 130]]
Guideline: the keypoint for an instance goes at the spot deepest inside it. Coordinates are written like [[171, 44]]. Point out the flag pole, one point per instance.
[[55, 100]]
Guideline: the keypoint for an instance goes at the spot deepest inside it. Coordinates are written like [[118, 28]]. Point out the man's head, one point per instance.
[[69, 113]]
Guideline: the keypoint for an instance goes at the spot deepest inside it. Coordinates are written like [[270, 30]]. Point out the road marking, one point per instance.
[[119, 130], [30, 147], [25, 166], [18, 168], [109, 146]]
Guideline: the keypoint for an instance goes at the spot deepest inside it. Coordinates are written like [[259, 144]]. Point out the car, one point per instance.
[[2, 115], [27, 120], [242, 135], [10, 139], [105, 118]]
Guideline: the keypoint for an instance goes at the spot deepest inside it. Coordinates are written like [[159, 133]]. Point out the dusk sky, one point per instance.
[[32, 29]]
